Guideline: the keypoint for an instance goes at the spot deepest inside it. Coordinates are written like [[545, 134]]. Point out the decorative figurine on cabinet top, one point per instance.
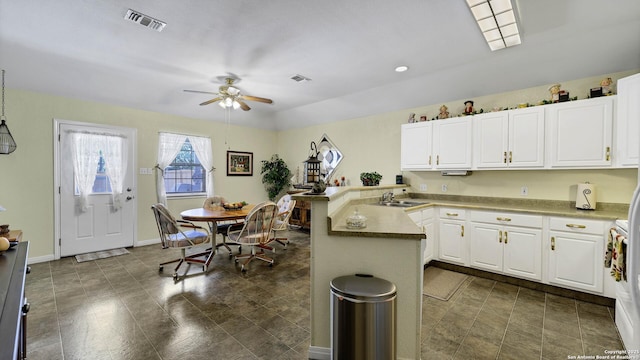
[[554, 90], [606, 86], [412, 118], [468, 107], [444, 114]]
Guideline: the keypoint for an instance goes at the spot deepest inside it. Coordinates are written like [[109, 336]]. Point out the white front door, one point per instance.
[[99, 225]]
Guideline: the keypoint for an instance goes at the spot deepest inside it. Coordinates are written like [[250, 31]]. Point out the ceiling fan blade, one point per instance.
[[201, 92], [211, 101], [243, 105], [258, 99]]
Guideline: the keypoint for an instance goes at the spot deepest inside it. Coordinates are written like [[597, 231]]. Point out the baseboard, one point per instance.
[[319, 353], [147, 242], [40, 259]]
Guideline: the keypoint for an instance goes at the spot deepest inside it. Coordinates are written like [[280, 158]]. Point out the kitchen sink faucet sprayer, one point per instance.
[[388, 196]]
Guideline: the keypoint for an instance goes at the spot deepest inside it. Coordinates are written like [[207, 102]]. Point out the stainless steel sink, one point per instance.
[[400, 203]]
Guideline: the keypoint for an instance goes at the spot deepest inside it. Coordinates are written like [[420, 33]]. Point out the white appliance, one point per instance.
[[628, 292]]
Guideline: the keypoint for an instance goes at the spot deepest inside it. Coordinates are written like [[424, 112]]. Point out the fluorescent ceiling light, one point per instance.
[[497, 22], [402, 68]]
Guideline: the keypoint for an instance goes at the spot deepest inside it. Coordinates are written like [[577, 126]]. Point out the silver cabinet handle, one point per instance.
[[452, 214], [503, 219], [576, 226]]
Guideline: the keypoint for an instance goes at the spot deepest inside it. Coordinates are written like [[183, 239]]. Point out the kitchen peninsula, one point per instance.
[[390, 247]]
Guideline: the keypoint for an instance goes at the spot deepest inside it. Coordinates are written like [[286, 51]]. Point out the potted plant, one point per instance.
[[370, 178], [275, 176]]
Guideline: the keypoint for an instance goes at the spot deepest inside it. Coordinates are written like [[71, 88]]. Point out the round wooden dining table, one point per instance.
[[214, 216]]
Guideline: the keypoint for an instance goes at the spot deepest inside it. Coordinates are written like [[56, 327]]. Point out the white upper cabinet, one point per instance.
[[580, 133], [627, 119], [513, 138], [415, 148], [452, 143]]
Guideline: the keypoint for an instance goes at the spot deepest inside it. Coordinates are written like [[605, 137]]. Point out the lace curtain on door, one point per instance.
[[85, 152]]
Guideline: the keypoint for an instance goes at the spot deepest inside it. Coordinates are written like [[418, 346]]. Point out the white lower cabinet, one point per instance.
[[507, 243], [426, 221], [452, 245], [576, 252]]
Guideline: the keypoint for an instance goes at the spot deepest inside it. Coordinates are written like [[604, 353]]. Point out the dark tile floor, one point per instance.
[[122, 308]]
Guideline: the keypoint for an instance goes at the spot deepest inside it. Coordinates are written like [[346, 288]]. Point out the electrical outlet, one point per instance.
[[143, 171], [423, 187], [444, 188], [524, 191]]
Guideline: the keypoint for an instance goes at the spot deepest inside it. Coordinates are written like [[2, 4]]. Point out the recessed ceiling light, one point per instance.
[[402, 68]]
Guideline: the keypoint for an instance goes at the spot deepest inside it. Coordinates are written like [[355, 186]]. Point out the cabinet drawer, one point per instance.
[[512, 219], [452, 213], [577, 225]]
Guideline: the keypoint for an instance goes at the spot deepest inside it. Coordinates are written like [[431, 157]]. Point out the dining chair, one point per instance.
[[256, 233], [182, 235], [285, 209], [215, 203]]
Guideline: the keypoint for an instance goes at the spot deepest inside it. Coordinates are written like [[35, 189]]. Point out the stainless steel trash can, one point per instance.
[[363, 318]]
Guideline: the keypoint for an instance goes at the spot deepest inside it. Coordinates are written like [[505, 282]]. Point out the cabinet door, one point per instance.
[[580, 133], [526, 138], [491, 140], [415, 148], [575, 260], [452, 143], [523, 252], [627, 120], [451, 242], [485, 251], [429, 229]]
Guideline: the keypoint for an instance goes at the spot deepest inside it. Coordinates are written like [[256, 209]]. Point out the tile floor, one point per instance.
[[122, 308]]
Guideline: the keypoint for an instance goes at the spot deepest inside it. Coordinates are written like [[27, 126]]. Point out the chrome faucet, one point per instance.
[[388, 196]]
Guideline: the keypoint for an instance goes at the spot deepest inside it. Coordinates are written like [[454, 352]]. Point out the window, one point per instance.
[[185, 175]]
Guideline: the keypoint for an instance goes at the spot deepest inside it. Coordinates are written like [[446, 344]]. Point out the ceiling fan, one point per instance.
[[229, 96]]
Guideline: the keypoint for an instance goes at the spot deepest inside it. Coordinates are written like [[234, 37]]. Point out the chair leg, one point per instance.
[[226, 246], [253, 255], [282, 241]]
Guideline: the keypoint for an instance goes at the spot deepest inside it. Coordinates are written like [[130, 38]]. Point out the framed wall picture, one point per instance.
[[239, 163]]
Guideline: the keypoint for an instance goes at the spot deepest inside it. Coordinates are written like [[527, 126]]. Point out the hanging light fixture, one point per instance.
[[7, 144]]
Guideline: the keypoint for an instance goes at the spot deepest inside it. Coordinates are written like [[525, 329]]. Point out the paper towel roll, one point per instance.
[[586, 197]]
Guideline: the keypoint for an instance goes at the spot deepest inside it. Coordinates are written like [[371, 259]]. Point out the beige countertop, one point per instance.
[[381, 222], [393, 222]]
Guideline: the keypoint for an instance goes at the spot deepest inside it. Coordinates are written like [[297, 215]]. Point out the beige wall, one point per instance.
[[370, 143], [28, 186]]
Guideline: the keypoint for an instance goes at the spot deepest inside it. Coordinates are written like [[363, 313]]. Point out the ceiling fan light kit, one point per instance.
[[497, 21], [230, 96]]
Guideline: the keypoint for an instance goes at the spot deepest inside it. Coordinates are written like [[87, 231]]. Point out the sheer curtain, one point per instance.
[[202, 147], [115, 151], [85, 153], [169, 146]]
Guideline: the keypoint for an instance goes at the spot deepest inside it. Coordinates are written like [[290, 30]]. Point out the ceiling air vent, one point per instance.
[[300, 78], [145, 20]]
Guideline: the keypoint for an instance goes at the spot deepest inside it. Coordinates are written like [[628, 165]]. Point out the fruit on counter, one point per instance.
[[4, 243]]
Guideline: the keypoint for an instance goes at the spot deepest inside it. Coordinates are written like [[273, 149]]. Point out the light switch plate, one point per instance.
[[423, 187], [445, 188]]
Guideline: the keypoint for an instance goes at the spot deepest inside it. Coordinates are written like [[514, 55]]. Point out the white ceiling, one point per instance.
[[85, 49]]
